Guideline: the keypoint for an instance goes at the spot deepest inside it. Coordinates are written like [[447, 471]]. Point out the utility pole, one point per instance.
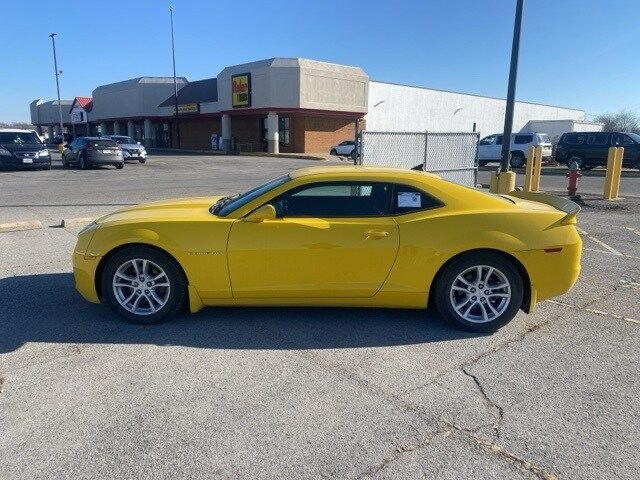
[[57, 72], [511, 91], [175, 83]]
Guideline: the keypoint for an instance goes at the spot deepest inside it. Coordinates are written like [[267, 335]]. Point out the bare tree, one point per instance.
[[623, 121]]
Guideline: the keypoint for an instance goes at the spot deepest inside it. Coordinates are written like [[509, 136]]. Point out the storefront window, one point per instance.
[[283, 130]]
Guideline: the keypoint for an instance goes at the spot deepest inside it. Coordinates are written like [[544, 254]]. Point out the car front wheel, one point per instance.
[[517, 160], [143, 285], [479, 292]]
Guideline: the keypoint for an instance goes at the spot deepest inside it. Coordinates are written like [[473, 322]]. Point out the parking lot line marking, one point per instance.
[[20, 226], [594, 311], [610, 253], [598, 241], [631, 229]]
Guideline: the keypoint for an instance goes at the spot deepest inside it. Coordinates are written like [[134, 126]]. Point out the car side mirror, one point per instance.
[[138, 143], [265, 212]]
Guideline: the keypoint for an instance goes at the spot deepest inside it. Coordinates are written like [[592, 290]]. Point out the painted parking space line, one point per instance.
[[594, 311], [599, 242]]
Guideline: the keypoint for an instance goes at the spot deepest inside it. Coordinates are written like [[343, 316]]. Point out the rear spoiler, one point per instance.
[[560, 203]]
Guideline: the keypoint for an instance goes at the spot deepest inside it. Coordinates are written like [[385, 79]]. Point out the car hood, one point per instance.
[[24, 147], [178, 209]]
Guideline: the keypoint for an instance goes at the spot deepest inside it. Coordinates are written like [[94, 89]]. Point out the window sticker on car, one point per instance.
[[409, 200]]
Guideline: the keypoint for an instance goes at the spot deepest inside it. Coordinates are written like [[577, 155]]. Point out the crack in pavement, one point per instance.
[[498, 450], [497, 410]]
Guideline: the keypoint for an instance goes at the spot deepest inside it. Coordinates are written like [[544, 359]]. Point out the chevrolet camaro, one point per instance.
[[335, 236]]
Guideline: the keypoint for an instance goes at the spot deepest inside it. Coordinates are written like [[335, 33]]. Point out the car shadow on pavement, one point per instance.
[[46, 308]]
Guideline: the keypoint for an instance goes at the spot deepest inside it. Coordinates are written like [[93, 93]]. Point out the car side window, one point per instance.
[[522, 139], [622, 140], [407, 199], [335, 199], [597, 139], [488, 140], [499, 140]]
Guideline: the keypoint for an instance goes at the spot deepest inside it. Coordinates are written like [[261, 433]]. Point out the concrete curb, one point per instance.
[[20, 226], [75, 222], [218, 153]]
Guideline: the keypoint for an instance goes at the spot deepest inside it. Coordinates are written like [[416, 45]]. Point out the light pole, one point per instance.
[[175, 83], [511, 91], [57, 72]]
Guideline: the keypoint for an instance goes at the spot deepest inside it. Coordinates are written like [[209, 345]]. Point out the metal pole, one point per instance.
[[55, 66], [175, 84], [511, 92]]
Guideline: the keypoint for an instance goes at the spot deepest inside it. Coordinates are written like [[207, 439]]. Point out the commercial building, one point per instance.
[[281, 105]]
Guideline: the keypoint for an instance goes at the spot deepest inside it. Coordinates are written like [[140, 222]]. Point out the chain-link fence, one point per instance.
[[452, 155]]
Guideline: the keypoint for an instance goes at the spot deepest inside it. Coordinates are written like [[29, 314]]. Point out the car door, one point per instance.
[[329, 240], [485, 148], [597, 148], [344, 148], [631, 149]]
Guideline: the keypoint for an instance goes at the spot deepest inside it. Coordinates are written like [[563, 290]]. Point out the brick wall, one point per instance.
[[195, 133], [323, 132]]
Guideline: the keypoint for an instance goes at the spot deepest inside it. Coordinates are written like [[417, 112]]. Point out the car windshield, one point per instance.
[[19, 138], [124, 140], [226, 205], [635, 137]]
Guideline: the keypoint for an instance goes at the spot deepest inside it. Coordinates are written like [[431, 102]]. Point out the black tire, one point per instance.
[[82, 164], [120, 166], [445, 294], [575, 158], [65, 164], [46, 167], [517, 159], [333, 152], [142, 160], [176, 291]]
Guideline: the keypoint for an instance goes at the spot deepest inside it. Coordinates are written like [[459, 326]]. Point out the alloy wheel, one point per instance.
[[141, 286], [480, 294]]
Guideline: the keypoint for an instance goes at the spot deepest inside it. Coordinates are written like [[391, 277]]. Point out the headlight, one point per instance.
[[43, 153], [89, 228], [4, 151]]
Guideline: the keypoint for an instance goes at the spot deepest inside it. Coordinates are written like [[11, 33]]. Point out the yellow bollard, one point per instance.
[[537, 170], [614, 170], [528, 172], [503, 183], [533, 170]]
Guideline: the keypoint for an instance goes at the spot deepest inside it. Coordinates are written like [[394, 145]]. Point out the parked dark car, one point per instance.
[[88, 151], [590, 149], [23, 149]]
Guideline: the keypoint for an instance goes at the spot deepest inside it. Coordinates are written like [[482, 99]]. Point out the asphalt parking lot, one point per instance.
[[298, 392]]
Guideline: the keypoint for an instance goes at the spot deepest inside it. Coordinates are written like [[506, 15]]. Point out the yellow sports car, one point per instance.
[[336, 236]]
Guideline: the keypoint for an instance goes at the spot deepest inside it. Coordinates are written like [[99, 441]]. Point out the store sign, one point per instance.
[[241, 90], [188, 108]]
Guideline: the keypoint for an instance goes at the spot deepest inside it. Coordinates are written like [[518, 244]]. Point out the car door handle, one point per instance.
[[376, 234]]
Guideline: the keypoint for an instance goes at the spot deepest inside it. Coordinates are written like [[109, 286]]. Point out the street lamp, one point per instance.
[[57, 72], [511, 91], [175, 83], [507, 182]]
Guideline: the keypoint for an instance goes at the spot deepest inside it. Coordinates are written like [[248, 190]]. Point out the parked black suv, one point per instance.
[[589, 149]]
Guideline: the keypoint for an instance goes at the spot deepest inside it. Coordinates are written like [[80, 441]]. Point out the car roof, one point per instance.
[[397, 173], [16, 130]]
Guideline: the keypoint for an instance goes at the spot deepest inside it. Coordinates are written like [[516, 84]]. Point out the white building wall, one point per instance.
[[403, 108], [555, 128]]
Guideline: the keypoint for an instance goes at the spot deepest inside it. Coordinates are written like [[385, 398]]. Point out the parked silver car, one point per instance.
[[131, 150]]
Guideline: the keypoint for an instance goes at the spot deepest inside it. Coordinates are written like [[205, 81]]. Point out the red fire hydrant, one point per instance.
[[573, 174]]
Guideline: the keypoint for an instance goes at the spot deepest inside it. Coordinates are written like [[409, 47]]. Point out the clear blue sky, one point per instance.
[[580, 53]]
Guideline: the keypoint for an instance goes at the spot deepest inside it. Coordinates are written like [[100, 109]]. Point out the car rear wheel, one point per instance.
[[120, 166], [479, 292], [517, 160], [577, 159], [143, 285], [82, 163]]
